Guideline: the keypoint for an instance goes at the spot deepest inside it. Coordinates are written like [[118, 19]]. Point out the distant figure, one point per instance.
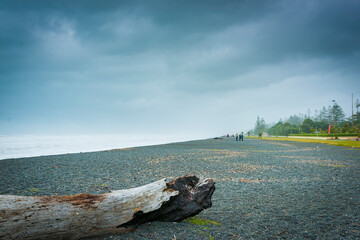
[[227, 135], [242, 136], [260, 135], [237, 137]]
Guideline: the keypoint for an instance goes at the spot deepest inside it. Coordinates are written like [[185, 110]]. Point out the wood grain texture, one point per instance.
[[84, 215]]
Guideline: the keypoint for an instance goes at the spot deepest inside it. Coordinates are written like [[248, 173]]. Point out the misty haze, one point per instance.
[[260, 98]]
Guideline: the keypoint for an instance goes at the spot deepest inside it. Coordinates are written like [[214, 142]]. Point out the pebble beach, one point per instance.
[[264, 189]]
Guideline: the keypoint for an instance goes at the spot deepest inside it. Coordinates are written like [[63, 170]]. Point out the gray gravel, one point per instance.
[[264, 189]]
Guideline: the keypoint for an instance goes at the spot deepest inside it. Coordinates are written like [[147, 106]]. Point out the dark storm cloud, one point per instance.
[[127, 59], [250, 33]]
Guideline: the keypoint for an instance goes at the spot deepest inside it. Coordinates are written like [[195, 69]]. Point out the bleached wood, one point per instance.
[[84, 215], [77, 216]]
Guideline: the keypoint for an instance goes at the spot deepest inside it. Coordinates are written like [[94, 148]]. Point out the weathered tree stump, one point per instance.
[[84, 215]]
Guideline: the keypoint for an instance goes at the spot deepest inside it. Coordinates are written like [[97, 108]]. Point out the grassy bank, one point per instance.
[[342, 143], [326, 135]]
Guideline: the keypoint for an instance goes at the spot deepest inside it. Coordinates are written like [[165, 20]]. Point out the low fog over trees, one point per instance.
[[318, 122]]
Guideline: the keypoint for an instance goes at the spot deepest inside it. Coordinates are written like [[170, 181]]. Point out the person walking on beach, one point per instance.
[[241, 136], [236, 136]]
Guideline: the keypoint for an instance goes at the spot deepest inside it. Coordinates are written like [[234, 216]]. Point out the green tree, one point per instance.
[[336, 113], [306, 128], [310, 126], [346, 128], [309, 122], [295, 120], [260, 126], [357, 114], [321, 126], [283, 129], [339, 114], [322, 115]]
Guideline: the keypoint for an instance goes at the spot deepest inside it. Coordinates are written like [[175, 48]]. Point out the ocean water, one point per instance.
[[32, 145]]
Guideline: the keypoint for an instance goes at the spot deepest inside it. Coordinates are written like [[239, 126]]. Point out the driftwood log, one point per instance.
[[85, 215]]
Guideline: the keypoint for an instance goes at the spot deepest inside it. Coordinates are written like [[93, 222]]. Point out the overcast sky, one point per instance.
[[180, 67]]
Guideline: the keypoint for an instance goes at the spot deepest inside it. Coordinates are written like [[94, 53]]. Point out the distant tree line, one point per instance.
[[312, 123], [260, 126]]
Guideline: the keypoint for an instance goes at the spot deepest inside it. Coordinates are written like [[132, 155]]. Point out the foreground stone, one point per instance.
[[85, 215]]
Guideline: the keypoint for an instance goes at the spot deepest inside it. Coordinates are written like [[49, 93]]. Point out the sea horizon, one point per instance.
[[23, 146]]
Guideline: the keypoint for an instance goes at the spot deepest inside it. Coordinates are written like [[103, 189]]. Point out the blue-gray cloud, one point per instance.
[[126, 61]]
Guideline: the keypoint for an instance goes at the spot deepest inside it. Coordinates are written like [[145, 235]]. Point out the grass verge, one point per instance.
[[342, 143]]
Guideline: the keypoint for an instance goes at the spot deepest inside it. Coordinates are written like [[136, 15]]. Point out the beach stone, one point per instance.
[[264, 189]]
